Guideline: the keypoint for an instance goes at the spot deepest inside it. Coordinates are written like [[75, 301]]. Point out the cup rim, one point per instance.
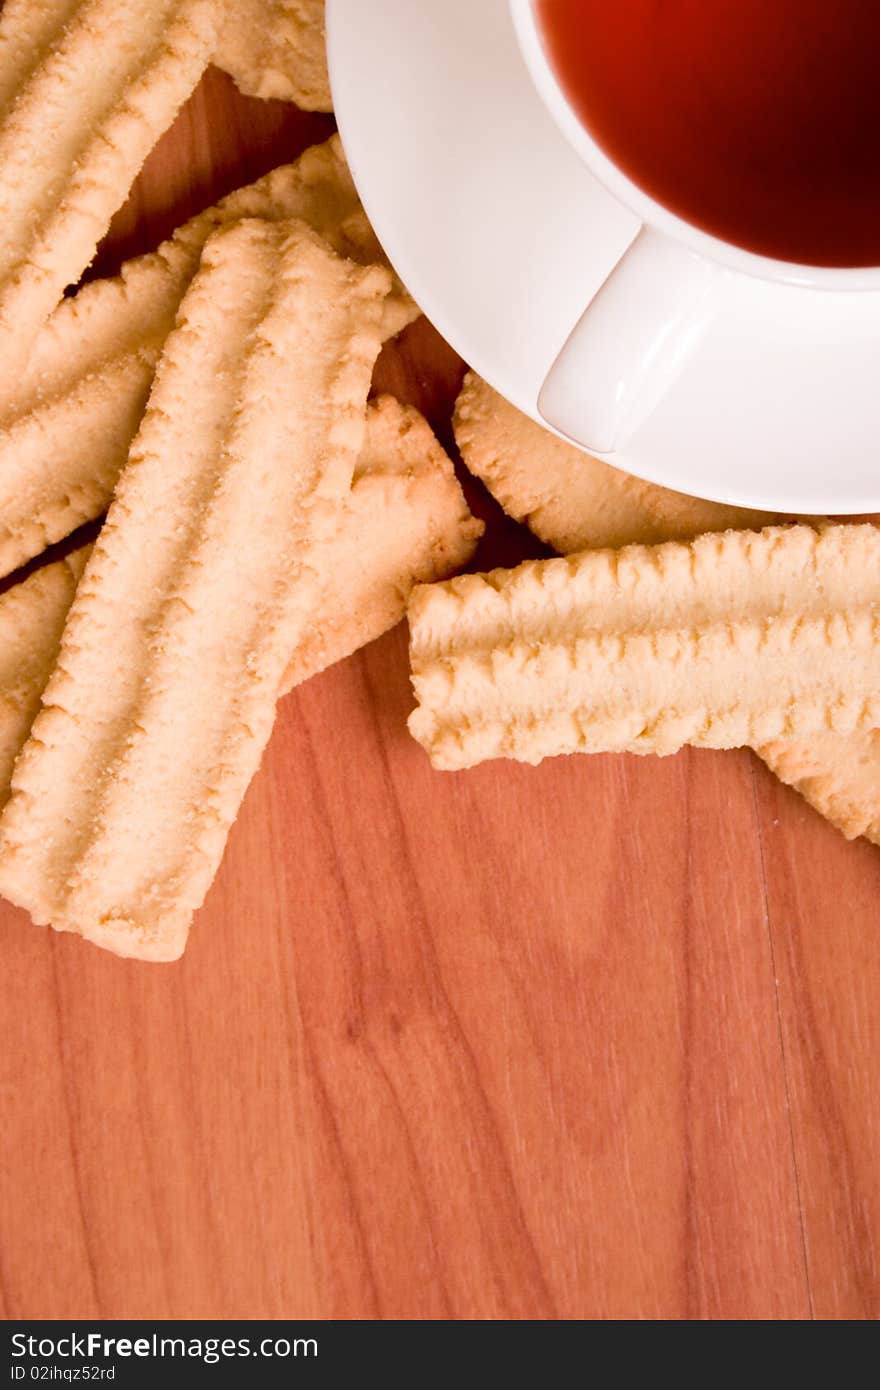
[[651, 212]]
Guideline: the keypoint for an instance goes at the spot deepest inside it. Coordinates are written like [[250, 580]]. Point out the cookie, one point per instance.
[[737, 638], [202, 580]]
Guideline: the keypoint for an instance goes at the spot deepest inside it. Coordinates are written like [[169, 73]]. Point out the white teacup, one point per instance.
[[637, 333]]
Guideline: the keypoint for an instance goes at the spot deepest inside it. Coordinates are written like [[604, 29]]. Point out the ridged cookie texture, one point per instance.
[[201, 581], [839, 775], [32, 616], [68, 418], [404, 522], [277, 48], [87, 89], [739, 638], [570, 500]]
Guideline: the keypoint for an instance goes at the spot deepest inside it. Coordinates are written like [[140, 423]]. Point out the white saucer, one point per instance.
[[503, 237]]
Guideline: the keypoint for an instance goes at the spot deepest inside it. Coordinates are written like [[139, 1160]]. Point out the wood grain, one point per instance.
[[596, 1040]]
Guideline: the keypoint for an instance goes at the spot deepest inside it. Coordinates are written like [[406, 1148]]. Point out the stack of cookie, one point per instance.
[[264, 520]]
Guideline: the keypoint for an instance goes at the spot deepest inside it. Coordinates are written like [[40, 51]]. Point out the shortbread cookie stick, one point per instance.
[[405, 522], [572, 501], [32, 616], [277, 48], [85, 105], [68, 419], [200, 583], [738, 638]]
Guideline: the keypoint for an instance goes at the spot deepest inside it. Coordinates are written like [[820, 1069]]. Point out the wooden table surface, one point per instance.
[[596, 1040]]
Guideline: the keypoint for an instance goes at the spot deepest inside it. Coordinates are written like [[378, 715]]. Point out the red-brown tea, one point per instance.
[[756, 120]]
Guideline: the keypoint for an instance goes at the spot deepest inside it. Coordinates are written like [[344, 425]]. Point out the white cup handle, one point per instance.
[[631, 343]]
